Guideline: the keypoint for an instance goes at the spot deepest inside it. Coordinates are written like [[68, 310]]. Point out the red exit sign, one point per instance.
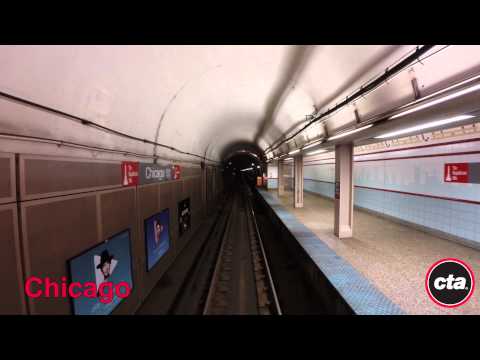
[[456, 172], [129, 173]]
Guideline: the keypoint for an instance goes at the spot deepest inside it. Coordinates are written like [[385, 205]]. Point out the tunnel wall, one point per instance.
[[55, 208], [408, 185], [214, 186]]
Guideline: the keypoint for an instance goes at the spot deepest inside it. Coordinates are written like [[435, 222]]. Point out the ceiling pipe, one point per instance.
[[98, 126], [409, 60]]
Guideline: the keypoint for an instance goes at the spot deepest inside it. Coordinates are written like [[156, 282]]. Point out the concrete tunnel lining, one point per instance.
[[215, 94]]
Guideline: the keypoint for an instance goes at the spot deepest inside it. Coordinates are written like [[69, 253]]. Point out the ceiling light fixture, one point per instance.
[[428, 125], [311, 144], [350, 132], [317, 152], [437, 101], [294, 151]]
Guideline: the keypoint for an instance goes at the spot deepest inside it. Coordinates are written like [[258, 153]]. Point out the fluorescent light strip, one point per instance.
[[350, 132], [294, 152], [436, 93], [246, 169], [437, 101], [425, 126], [311, 145], [317, 152], [289, 158]]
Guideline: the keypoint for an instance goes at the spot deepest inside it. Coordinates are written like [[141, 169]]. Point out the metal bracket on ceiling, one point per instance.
[[357, 115], [325, 130], [414, 82], [418, 58]]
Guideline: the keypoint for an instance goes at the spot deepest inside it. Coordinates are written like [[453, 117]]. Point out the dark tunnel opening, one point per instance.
[[242, 168]]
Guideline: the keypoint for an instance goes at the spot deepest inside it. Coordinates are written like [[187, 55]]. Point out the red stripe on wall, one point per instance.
[[423, 146], [411, 148], [328, 182], [319, 160], [476, 152], [422, 195], [332, 163], [422, 156], [407, 193]]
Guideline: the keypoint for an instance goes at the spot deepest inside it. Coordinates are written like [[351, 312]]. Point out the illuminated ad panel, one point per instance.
[[183, 216], [157, 237], [108, 262]]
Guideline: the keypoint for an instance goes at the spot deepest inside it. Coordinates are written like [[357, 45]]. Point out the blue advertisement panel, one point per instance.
[[109, 261], [157, 237]]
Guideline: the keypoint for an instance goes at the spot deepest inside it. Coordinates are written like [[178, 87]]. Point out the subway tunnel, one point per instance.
[[239, 179]]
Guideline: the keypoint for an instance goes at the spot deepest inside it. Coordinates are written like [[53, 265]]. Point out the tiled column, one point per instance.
[[298, 181], [343, 226], [281, 179]]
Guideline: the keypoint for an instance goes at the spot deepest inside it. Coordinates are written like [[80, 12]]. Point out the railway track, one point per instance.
[[241, 281]]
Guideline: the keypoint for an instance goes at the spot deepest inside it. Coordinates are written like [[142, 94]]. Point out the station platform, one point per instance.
[[382, 268]]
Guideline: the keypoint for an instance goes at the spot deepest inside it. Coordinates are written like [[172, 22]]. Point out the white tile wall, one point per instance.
[[418, 175]]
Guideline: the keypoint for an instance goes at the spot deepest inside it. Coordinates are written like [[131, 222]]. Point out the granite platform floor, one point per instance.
[[394, 257]]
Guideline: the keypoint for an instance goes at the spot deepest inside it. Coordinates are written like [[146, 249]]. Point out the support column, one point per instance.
[[272, 173], [343, 226], [281, 179], [298, 181]]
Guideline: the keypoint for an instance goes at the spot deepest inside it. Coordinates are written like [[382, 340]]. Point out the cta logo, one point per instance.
[[450, 282]]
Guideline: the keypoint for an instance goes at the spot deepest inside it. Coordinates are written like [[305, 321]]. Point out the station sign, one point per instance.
[[129, 173], [152, 173], [135, 173], [467, 173], [176, 172]]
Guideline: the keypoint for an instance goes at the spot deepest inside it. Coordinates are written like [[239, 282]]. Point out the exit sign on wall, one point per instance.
[[462, 173]]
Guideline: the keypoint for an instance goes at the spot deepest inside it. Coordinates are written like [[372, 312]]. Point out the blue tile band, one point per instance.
[[359, 293]]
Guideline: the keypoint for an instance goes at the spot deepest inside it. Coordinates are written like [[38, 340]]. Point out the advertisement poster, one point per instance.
[[157, 237], [108, 261], [183, 216]]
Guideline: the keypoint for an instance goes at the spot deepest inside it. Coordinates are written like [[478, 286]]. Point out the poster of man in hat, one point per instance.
[[158, 229], [104, 263], [157, 237]]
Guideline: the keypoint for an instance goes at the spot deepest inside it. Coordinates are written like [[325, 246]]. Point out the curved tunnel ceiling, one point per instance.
[[200, 99]]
